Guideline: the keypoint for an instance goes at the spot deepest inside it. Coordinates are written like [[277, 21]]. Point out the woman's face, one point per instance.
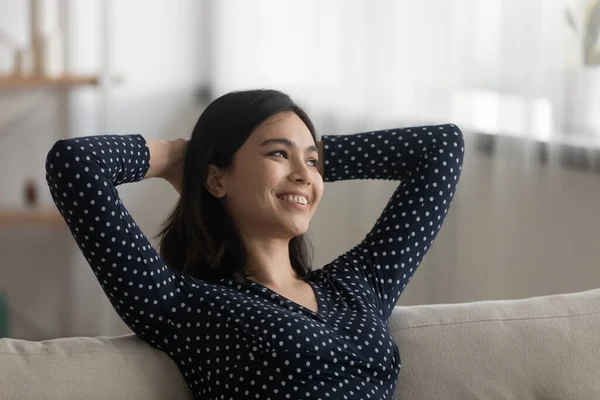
[[273, 188]]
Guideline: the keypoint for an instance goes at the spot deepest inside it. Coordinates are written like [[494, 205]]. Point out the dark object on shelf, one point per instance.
[[31, 193], [205, 94]]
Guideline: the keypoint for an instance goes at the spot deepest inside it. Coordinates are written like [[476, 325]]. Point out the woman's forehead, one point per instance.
[[279, 126]]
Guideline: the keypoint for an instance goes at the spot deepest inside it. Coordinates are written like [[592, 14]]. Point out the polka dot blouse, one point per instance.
[[235, 340]]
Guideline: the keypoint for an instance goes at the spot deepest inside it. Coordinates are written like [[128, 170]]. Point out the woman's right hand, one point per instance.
[[167, 158], [174, 172]]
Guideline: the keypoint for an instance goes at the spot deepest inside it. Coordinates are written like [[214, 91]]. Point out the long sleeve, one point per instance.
[[82, 174], [427, 160]]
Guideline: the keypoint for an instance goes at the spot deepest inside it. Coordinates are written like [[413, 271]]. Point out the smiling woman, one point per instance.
[[232, 298]]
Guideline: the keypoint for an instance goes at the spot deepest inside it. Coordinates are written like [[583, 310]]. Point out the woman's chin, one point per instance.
[[299, 230], [295, 228]]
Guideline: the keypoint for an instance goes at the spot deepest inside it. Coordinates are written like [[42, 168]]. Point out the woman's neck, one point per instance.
[[270, 265]]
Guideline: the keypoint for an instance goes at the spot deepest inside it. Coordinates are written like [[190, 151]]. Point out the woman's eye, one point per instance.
[[282, 153], [278, 152]]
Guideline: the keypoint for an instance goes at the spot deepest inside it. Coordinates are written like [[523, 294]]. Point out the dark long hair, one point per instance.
[[199, 238]]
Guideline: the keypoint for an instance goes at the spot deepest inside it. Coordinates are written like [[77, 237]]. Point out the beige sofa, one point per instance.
[[537, 348]]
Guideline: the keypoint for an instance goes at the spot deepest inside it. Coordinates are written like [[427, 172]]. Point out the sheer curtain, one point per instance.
[[388, 59], [495, 68]]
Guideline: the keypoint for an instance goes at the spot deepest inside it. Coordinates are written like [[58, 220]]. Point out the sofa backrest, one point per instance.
[[537, 348]]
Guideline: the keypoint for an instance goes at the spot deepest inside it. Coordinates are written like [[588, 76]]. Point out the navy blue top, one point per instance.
[[235, 340]]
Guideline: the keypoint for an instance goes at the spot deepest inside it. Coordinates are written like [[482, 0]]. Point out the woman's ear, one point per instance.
[[214, 181]]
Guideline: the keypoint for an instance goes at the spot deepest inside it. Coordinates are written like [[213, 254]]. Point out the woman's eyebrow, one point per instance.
[[287, 143]]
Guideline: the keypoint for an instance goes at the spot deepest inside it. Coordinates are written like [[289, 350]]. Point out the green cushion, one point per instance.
[[3, 317]]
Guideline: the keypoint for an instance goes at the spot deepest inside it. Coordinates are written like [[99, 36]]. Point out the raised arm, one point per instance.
[[82, 174], [427, 161]]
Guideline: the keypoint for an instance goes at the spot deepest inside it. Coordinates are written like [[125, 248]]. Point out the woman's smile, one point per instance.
[[292, 203]]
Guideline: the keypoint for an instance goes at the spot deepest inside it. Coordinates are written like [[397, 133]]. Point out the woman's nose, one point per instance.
[[301, 173]]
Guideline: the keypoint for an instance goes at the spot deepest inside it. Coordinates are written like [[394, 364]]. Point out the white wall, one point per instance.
[[390, 59]]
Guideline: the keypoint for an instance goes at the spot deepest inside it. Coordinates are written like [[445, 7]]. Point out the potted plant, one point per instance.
[[581, 94]]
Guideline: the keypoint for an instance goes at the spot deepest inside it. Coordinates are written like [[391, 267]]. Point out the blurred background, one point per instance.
[[520, 77]]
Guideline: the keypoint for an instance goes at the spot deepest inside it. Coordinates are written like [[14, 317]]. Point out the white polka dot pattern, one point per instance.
[[235, 340]]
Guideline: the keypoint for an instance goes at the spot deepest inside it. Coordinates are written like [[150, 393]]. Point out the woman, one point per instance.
[[232, 298]]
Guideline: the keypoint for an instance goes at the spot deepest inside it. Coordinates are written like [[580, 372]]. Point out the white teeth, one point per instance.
[[294, 199]]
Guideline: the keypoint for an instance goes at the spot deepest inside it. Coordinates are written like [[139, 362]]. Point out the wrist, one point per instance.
[[158, 157]]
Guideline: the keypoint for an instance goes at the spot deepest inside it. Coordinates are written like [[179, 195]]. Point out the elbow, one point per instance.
[[56, 154], [448, 144], [456, 139], [455, 132], [458, 135]]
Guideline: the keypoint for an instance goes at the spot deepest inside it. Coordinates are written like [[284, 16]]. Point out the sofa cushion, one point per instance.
[[537, 348], [122, 367]]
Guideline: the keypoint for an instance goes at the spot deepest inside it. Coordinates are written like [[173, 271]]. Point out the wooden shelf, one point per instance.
[[37, 81], [42, 217]]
